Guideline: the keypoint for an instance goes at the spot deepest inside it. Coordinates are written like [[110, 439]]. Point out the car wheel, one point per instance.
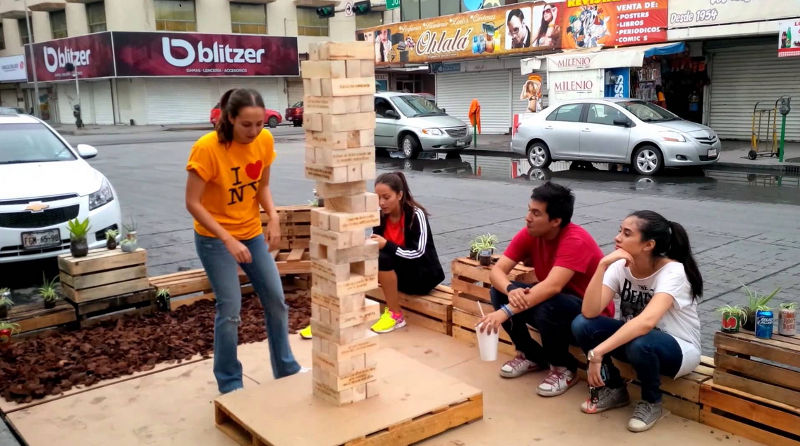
[[409, 146], [539, 155], [272, 122], [647, 160]]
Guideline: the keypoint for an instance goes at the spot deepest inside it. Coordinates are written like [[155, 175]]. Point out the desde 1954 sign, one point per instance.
[[519, 28], [141, 54], [90, 54], [609, 23]]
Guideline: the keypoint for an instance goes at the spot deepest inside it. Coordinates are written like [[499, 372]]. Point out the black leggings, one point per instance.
[[410, 278]]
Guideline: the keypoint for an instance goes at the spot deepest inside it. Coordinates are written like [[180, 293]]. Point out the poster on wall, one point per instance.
[[686, 13], [90, 55], [590, 24], [789, 38], [12, 68], [519, 28], [532, 92], [568, 85]]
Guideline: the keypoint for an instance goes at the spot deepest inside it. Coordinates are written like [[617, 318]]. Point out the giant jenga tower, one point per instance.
[[339, 119]]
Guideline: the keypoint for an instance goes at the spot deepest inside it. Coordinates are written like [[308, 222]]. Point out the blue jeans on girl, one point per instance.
[[221, 269]]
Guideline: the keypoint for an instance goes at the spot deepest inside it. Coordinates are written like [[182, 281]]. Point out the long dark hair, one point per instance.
[[230, 104], [544, 25], [397, 182], [672, 242]]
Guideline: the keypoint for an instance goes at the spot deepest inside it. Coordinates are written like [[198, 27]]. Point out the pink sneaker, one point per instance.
[[558, 381], [518, 367]]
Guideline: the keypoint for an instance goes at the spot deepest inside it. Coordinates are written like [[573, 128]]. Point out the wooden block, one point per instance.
[[339, 140], [332, 105], [328, 190], [369, 250], [338, 240], [366, 104], [353, 68], [339, 383], [312, 87], [364, 171], [340, 157], [100, 260], [348, 122], [340, 304], [342, 335], [322, 69], [363, 202], [356, 283], [338, 221], [366, 138], [367, 68], [354, 86], [345, 366], [367, 267], [312, 121], [346, 50], [367, 312], [339, 352], [328, 174], [330, 271], [347, 396], [313, 51]]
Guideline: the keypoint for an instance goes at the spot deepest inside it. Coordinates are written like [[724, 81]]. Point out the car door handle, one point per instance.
[[548, 127], [586, 130]]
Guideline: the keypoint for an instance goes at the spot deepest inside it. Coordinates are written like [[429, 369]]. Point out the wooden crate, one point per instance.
[[471, 280], [295, 222], [433, 311], [35, 316], [769, 368], [751, 416], [92, 312], [102, 273]]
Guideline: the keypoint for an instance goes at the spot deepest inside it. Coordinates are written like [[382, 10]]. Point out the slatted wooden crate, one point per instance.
[[295, 222], [34, 316], [471, 281], [433, 311], [94, 311], [102, 273]]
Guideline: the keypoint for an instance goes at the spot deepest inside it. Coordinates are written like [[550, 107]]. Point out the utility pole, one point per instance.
[[37, 110]]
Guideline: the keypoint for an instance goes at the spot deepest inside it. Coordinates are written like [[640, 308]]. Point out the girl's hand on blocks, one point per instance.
[[381, 241]]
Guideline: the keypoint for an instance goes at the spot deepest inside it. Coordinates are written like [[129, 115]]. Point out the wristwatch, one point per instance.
[[591, 357]]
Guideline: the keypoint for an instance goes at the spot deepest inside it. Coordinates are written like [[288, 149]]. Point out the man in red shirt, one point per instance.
[[564, 257]]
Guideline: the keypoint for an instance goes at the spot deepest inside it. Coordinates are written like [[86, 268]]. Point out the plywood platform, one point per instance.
[[415, 402]]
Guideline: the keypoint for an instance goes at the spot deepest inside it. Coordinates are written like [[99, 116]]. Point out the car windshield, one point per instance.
[[297, 104], [415, 106], [648, 112], [31, 143]]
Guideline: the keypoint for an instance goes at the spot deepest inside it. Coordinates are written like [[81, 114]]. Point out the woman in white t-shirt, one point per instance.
[[656, 278]]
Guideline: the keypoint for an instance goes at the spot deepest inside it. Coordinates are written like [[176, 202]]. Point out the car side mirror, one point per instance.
[[623, 122], [86, 151], [391, 114]]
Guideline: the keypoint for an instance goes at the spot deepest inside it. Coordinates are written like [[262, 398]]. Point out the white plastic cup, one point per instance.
[[487, 343]]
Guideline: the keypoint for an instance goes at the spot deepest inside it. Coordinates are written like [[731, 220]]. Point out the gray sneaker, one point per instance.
[[605, 398], [645, 416]]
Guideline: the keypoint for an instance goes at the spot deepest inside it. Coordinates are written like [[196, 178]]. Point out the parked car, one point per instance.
[[615, 130], [295, 114], [45, 183], [271, 117], [11, 110], [411, 124]]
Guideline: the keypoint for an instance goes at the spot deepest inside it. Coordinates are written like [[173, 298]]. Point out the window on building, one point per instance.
[[428, 8], [175, 15], [447, 8], [23, 31], [96, 16], [423, 9], [2, 37], [370, 19], [58, 24], [309, 23], [248, 18], [409, 10]]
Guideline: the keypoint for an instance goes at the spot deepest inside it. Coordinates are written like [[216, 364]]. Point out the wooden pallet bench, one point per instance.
[[432, 311], [34, 316], [102, 273], [471, 281], [92, 312]]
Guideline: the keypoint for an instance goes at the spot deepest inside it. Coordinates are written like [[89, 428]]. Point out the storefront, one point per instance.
[[12, 76], [162, 78]]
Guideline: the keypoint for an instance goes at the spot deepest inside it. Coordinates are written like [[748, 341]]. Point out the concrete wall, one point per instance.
[[131, 15], [213, 16], [77, 21]]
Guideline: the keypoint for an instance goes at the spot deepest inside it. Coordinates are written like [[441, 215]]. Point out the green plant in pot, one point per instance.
[[78, 245], [5, 302], [130, 242], [488, 242], [7, 329], [111, 238], [162, 299], [755, 301], [733, 317], [48, 292]]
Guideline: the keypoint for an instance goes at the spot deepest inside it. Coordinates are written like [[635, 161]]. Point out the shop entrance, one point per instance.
[[680, 78]]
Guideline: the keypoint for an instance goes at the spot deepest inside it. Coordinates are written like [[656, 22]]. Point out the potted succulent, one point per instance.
[[733, 316], [755, 301], [111, 238], [78, 245], [7, 329], [5, 302], [162, 299], [483, 245], [130, 242], [48, 292]]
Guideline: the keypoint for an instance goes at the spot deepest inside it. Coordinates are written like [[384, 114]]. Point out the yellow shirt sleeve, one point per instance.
[[202, 161]]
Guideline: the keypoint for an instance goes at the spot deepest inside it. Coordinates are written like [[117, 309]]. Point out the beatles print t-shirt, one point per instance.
[[680, 321], [232, 174]]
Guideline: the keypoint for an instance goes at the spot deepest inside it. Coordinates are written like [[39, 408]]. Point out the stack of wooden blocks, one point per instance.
[[295, 226], [339, 120]]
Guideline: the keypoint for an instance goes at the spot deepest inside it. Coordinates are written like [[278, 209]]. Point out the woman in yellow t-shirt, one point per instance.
[[229, 172]]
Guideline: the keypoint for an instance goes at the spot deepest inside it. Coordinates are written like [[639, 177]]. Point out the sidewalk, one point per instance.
[[70, 129]]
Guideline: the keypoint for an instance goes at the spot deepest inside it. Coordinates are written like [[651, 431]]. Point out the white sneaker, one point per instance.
[[304, 369], [558, 381], [518, 367]]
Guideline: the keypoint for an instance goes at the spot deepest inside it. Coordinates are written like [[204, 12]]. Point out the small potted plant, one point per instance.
[[78, 245], [130, 242], [733, 316], [754, 302], [7, 329], [5, 302], [487, 243], [787, 324], [48, 292], [162, 299], [111, 238]]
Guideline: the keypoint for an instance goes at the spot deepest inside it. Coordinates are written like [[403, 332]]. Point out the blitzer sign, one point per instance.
[[90, 56]]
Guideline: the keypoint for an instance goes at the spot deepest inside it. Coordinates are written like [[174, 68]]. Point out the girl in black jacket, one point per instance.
[[407, 260]]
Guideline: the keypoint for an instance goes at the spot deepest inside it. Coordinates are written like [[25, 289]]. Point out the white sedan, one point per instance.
[[44, 182]]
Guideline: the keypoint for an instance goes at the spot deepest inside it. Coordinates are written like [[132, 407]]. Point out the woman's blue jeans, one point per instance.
[[222, 272]]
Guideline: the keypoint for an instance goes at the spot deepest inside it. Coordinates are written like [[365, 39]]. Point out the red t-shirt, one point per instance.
[[395, 232], [573, 249]]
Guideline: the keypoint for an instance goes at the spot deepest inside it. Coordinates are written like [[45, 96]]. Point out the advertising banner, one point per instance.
[[90, 55], [789, 38], [532, 92], [519, 28], [12, 69], [567, 85], [609, 23], [685, 13], [143, 54]]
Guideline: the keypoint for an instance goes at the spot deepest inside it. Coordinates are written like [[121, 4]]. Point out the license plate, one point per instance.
[[41, 239], [712, 152], [460, 143]]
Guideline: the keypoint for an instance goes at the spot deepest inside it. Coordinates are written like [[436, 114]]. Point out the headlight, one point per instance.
[[102, 196], [433, 132], [673, 137]]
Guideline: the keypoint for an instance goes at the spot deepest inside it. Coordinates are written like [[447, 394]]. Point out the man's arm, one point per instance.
[[553, 284], [499, 273]]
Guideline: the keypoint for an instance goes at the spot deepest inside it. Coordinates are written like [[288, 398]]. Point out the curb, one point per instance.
[[774, 168]]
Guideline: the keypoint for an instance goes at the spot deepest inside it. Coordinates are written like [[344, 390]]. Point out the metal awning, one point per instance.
[[594, 58]]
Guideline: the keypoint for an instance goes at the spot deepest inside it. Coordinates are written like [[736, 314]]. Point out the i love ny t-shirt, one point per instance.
[[232, 173]]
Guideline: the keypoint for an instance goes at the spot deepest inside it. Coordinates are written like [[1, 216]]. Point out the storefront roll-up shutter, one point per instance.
[[455, 91], [517, 82], [180, 101], [271, 89], [101, 102], [295, 90], [742, 76], [8, 98]]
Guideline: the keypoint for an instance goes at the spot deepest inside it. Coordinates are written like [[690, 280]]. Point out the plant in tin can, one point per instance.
[[733, 316]]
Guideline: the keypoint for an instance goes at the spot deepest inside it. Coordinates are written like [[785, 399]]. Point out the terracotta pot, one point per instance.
[[79, 248]]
